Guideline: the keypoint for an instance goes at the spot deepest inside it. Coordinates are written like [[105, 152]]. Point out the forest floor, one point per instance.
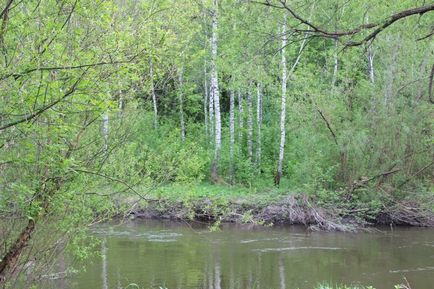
[[267, 206]]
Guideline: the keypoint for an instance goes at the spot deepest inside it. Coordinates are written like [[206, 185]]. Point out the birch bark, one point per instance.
[[370, 56], [249, 123], [240, 117], [154, 97], [232, 134], [205, 100], [258, 125], [105, 131], [283, 106], [278, 175], [215, 94]]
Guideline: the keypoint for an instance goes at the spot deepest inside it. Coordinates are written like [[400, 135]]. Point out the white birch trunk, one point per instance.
[[181, 105], [258, 125], [278, 175], [205, 100], [283, 106], [370, 56], [249, 123], [211, 114], [154, 97], [232, 134], [240, 117], [215, 93], [105, 131]]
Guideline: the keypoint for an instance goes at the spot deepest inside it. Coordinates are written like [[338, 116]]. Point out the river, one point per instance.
[[163, 254]]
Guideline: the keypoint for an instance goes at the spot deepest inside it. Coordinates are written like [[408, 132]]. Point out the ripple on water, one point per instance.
[[264, 250], [412, 270]]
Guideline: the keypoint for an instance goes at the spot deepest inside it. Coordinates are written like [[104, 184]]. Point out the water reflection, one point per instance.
[[104, 264], [173, 255]]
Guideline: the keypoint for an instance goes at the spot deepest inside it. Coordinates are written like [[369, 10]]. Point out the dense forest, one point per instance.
[[210, 110]]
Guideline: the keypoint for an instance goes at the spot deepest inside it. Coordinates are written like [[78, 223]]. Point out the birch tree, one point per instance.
[[278, 175], [232, 134], [211, 113], [105, 131], [215, 93], [258, 125], [370, 56], [250, 122], [205, 100], [154, 97], [240, 116]]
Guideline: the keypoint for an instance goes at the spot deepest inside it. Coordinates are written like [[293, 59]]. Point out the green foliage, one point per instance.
[[78, 143]]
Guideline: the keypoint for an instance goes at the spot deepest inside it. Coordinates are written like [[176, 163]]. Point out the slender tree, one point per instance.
[[240, 117], [278, 175], [215, 93], [232, 133], [205, 99], [154, 96], [250, 122], [259, 125]]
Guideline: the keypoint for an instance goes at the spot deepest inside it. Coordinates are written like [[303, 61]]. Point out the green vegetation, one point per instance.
[[109, 105]]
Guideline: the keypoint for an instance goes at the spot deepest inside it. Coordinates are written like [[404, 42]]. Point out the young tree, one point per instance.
[[278, 175], [232, 134], [259, 125], [250, 122], [215, 93]]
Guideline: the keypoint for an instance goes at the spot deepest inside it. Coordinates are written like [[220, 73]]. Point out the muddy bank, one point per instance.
[[295, 209]]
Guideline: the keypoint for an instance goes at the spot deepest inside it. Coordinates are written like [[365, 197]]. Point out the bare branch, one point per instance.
[[328, 126], [380, 26]]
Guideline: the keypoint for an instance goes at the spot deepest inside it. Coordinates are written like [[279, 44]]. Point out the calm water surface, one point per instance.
[[173, 255]]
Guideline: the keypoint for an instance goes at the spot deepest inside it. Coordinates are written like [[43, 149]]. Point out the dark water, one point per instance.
[[172, 255]]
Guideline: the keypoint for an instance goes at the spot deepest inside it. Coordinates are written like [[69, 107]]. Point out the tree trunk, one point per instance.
[[10, 260], [278, 175], [259, 125], [105, 131], [215, 95], [154, 97], [232, 135], [370, 55], [205, 100], [250, 123], [181, 105], [240, 117]]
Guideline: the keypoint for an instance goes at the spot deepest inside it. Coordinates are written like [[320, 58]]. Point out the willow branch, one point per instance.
[[44, 108]]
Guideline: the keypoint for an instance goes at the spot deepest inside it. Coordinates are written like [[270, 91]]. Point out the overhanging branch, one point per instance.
[[320, 31]]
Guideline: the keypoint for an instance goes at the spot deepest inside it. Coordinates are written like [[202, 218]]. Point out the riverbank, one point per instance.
[[216, 204]]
